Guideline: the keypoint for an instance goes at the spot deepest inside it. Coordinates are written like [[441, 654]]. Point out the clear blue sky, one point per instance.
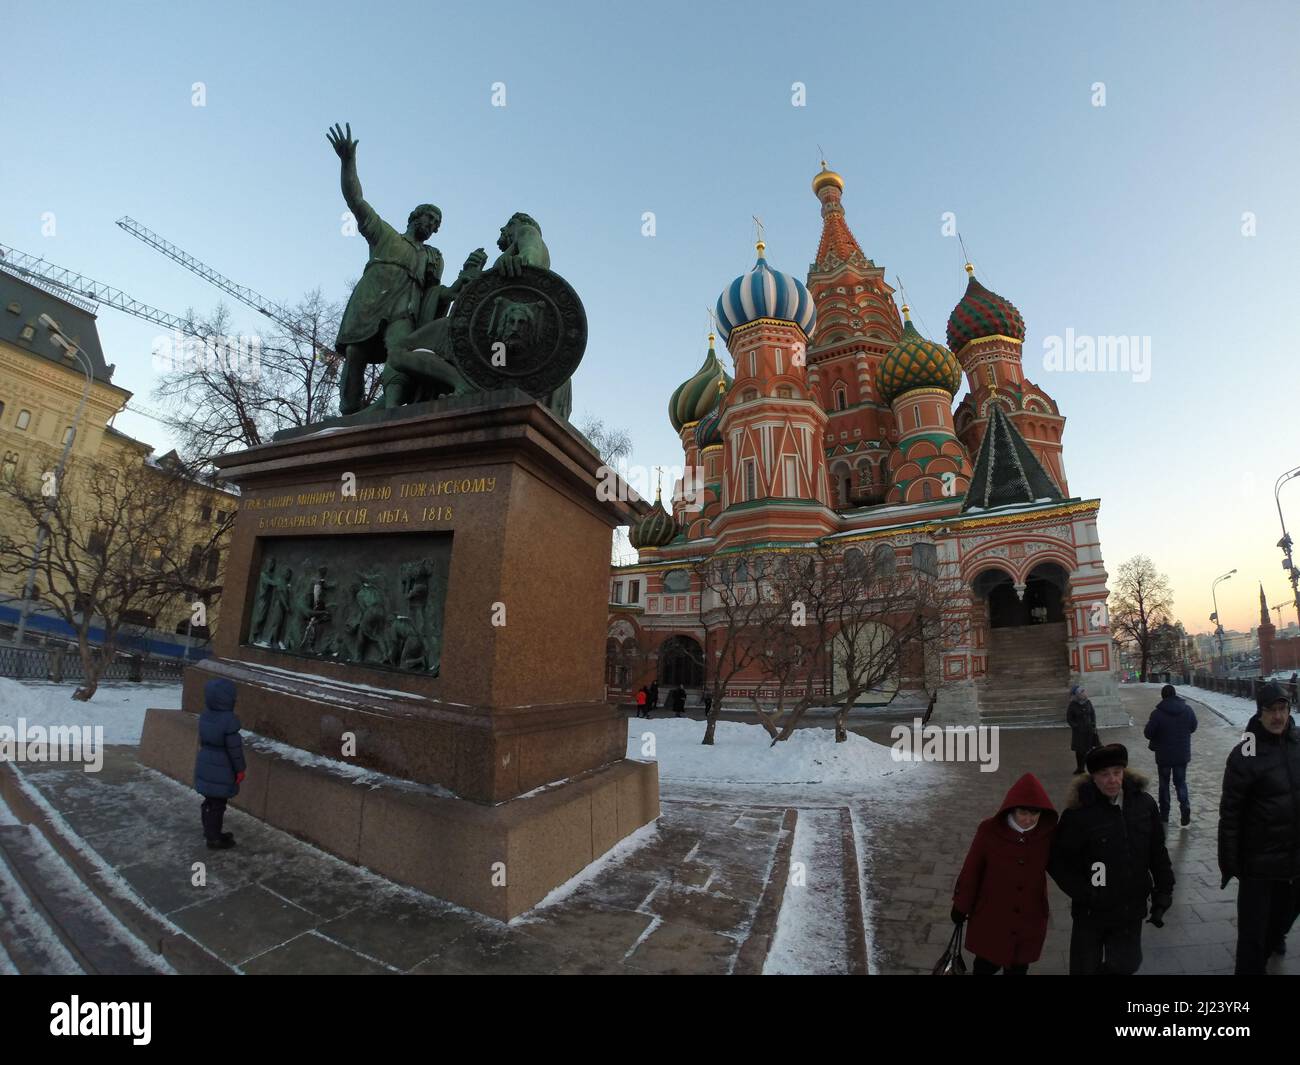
[[1116, 220]]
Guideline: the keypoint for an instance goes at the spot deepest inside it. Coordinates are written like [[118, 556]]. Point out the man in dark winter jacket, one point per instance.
[[219, 767], [1109, 856], [1082, 719], [1259, 829], [1170, 729]]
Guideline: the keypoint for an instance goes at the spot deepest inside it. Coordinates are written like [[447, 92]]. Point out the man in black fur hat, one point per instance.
[[1109, 856]]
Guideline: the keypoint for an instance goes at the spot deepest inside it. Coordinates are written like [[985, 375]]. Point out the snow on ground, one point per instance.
[[743, 754], [1235, 709], [119, 708], [810, 935]]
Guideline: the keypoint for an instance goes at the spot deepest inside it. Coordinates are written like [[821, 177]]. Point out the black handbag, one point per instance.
[[952, 963]]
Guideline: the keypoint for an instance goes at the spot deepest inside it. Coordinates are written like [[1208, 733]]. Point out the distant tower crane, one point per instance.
[[274, 311]]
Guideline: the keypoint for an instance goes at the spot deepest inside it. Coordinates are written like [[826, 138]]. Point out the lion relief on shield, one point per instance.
[[518, 325]]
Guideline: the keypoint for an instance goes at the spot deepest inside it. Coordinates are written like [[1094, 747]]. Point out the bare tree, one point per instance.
[[113, 548], [734, 613], [1140, 604], [226, 392]]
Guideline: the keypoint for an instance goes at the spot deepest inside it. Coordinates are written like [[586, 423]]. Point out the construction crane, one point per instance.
[[274, 311], [84, 291]]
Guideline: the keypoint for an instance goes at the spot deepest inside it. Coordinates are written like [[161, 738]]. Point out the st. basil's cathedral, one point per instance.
[[836, 427]]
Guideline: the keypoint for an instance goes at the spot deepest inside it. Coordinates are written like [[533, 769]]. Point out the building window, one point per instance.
[[926, 492], [916, 415], [784, 392], [24, 419], [750, 395], [9, 467], [196, 560], [883, 560], [205, 513], [791, 476], [2, 409], [214, 562], [925, 558], [221, 517], [753, 364], [677, 580], [780, 361], [841, 397], [96, 545], [751, 480], [68, 435], [634, 591], [617, 597]]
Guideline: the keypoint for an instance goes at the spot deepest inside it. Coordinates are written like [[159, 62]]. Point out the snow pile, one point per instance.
[[118, 708], [743, 754]]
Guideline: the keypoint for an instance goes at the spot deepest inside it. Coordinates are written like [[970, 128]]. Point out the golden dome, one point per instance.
[[827, 177]]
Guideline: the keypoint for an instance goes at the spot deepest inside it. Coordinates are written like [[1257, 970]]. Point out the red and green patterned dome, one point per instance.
[[709, 431], [697, 396], [654, 530], [915, 362], [981, 313]]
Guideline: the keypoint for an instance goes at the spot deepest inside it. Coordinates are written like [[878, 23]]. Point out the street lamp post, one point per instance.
[[1293, 572], [51, 495], [1218, 625]]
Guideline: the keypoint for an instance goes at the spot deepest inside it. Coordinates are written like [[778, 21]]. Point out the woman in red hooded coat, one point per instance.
[[1002, 887]]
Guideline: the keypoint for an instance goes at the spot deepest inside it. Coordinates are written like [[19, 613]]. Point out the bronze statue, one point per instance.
[[401, 284]]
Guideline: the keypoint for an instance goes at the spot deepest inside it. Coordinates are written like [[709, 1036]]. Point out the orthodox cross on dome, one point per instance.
[[758, 233], [659, 483]]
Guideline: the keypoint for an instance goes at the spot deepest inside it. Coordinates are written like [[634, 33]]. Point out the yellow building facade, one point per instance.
[[41, 386]]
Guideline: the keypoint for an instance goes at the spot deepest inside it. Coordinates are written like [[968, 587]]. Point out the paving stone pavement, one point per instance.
[[917, 848], [684, 901]]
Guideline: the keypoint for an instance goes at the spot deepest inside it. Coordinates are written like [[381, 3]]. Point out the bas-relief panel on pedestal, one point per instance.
[[374, 600]]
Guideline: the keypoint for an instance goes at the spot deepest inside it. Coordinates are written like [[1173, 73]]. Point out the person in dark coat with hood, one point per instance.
[[1082, 719], [1109, 856], [1002, 887], [1170, 729], [1259, 829], [219, 766]]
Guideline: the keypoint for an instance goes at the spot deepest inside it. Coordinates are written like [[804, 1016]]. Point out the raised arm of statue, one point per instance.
[[341, 140]]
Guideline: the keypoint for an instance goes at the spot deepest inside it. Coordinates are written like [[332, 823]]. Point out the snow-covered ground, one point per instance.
[[743, 754], [1235, 709], [119, 708], [810, 934]]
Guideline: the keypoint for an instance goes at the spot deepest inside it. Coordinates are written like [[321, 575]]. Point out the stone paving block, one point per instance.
[[701, 909], [401, 931], [497, 951], [312, 955], [244, 923], [682, 949]]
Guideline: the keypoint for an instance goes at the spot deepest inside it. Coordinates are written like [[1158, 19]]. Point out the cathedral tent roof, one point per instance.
[[1006, 471]]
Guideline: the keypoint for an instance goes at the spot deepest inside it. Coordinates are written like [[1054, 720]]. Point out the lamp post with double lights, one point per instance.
[[1218, 625], [1292, 571], [51, 491]]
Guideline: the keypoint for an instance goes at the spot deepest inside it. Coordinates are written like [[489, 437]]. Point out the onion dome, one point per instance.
[[654, 530], [827, 177], [915, 362], [696, 397], [981, 313], [765, 293], [708, 433]]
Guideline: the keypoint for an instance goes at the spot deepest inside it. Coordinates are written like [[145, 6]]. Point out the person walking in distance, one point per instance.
[[1259, 829], [1082, 719], [1170, 729]]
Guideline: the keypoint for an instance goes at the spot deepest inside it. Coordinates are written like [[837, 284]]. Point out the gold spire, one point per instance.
[[970, 269], [760, 246], [907, 313]]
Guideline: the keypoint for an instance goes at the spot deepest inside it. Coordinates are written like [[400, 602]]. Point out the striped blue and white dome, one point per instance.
[[765, 293]]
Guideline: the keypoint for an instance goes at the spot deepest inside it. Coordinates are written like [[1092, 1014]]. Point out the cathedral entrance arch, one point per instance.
[[681, 661]]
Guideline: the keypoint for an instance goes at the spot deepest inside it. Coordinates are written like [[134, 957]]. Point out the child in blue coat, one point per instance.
[[219, 767]]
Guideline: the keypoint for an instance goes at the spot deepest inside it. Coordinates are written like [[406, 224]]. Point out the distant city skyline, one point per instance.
[[1124, 171]]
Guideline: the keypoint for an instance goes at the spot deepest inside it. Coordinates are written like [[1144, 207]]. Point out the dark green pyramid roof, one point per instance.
[[1006, 471]]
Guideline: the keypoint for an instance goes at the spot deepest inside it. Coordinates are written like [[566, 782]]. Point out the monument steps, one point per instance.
[[57, 909]]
